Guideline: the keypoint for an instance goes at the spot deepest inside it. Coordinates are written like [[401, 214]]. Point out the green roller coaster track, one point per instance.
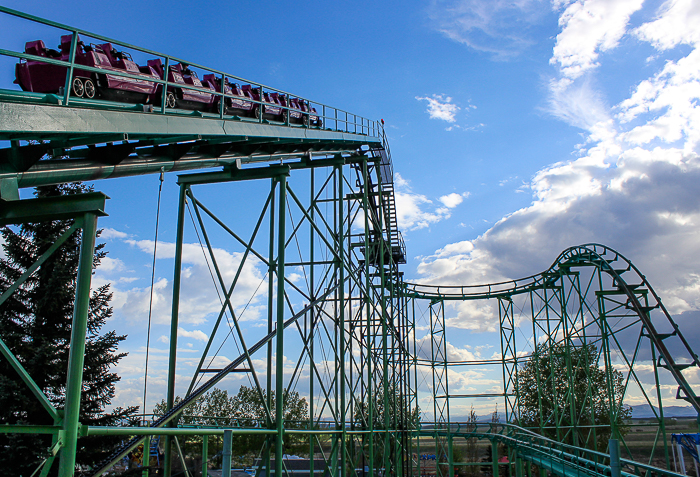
[[328, 213]]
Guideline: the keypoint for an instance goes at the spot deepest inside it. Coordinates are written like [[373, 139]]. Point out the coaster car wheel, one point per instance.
[[78, 87], [170, 101], [89, 88]]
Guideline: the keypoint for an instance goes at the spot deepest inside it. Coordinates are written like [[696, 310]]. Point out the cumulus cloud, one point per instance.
[[453, 200], [199, 298], [411, 208], [198, 335], [111, 234], [499, 27], [675, 23], [440, 107], [109, 265], [633, 186]]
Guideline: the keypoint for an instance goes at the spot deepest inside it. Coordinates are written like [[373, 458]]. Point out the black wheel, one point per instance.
[[78, 87], [305, 120], [170, 101], [256, 112], [90, 90]]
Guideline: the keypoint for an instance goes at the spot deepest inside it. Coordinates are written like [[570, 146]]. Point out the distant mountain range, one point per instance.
[[643, 411]]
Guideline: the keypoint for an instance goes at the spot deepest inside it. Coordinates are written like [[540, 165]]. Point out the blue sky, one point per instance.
[[517, 128]]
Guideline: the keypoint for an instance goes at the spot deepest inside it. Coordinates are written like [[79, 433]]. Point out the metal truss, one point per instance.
[[591, 297], [338, 322]]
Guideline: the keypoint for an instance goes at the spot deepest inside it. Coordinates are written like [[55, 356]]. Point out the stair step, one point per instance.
[[663, 336], [679, 367], [644, 309], [685, 398]]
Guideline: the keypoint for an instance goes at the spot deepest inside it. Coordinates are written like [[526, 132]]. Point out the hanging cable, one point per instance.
[[150, 303]]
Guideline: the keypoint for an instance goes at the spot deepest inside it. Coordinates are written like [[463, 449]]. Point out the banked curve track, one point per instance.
[[626, 278]]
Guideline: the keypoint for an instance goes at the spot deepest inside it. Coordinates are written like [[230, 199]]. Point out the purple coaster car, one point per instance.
[[236, 106], [271, 109], [310, 116], [294, 112], [40, 77], [178, 97]]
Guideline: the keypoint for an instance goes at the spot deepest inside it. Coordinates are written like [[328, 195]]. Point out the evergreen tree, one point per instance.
[[35, 323]]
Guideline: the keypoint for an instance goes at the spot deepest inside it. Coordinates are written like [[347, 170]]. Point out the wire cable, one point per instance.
[[150, 303]]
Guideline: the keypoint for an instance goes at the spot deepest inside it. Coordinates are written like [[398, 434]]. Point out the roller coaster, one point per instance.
[[361, 341]]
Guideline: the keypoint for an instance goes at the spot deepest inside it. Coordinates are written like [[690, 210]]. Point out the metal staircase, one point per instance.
[[646, 304], [386, 174]]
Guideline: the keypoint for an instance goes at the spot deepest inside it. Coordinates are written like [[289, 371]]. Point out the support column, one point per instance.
[[494, 457], [77, 347], [266, 458], [312, 317], [205, 455], [167, 465], [146, 457], [369, 336], [615, 468], [341, 352], [226, 458], [279, 358]]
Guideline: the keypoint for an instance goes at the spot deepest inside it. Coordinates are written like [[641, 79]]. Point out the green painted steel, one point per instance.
[[60, 208], [279, 337], [74, 383], [36, 391], [352, 318], [593, 297], [49, 131]]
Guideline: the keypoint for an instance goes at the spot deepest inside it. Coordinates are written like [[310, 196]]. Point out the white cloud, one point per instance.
[[499, 27], [677, 22], [453, 200], [410, 207], [576, 103], [440, 107], [634, 186], [588, 28], [110, 234], [199, 297], [673, 92], [108, 265], [198, 335]]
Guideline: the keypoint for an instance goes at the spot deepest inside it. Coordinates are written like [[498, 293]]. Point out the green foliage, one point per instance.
[[399, 417], [35, 323], [398, 414], [246, 409], [471, 449], [558, 390]]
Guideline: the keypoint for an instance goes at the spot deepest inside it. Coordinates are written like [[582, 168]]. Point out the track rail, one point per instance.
[[57, 138], [549, 455], [628, 280]]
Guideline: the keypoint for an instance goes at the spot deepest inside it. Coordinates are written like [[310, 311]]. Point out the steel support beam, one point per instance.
[[74, 384]]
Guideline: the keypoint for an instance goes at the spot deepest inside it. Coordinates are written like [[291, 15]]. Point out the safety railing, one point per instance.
[[328, 117], [546, 453]]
